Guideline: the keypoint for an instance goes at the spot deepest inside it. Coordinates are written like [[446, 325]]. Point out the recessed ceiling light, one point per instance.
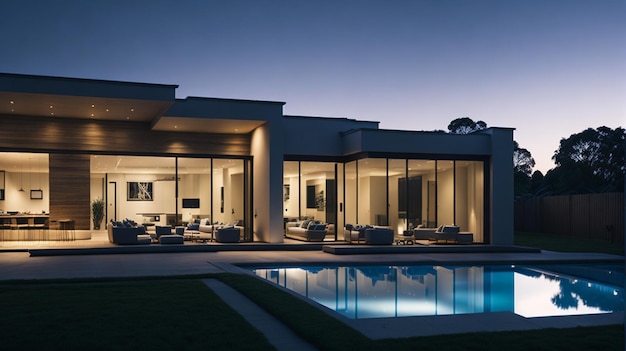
[[127, 117], [50, 106], [132, 110], [92, 105], [107, 110], [11, 102], [92, 115]]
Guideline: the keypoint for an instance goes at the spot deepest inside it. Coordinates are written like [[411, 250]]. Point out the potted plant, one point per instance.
[[97, 213]]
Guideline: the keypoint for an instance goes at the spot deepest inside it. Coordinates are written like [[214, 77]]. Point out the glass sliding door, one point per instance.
[[372, 192], [350, 207], [445, 192], [228, 187], [318, 183], [469, 198], [194, 189], [291, 190], [310, 192], [141, 188], [397, 198]]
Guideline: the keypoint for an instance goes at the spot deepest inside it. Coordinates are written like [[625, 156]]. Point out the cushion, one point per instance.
[[450, 229], [349, 227], [194, 226]]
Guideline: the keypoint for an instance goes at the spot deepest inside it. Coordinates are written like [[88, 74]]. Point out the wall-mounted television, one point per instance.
[[191, 203]]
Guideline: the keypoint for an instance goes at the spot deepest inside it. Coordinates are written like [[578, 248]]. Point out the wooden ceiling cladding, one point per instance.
[[76, 135]]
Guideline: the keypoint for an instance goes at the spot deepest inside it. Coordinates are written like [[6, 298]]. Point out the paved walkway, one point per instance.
[[20, 265]]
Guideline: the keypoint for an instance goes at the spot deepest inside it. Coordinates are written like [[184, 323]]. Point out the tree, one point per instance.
[[465, 125], [591, 161], [523, 163]]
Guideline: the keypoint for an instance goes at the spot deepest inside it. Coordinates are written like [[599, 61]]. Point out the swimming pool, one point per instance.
[[360, 292]]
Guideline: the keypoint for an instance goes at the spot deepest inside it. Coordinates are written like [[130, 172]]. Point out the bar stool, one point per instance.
[[5, 224], [67, 228], [40, 224], [21, 225]]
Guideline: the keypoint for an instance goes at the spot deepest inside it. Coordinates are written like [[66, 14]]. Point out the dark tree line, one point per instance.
[[591, 161]]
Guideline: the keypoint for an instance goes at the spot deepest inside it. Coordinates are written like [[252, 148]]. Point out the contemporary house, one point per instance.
[[155, 158]]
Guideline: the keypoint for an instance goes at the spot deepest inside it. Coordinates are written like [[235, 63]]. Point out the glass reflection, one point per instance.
[[399, 291]]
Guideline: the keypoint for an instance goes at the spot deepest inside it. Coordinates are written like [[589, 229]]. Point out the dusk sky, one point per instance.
[[548, 68]]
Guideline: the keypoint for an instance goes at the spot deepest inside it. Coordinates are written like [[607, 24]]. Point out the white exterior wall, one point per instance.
[[501, 184], [267, 183]]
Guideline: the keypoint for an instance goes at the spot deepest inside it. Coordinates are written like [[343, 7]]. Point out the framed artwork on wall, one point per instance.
[[36, 194], [139, 191]]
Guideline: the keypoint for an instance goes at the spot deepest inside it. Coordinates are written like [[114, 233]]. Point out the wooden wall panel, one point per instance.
[[70, 189], [114, 137], [590, 216]]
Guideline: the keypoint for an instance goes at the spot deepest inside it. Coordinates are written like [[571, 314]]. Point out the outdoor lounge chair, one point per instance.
[[445, 233], [227, 235]]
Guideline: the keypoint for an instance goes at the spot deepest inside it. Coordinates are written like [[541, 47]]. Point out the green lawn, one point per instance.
[[560, 243], [176, 314]]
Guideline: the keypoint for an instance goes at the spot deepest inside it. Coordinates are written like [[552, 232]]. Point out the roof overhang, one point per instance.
[[59, 97], [27, 95]]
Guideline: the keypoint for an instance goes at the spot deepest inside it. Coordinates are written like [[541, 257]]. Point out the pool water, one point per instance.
[[359, 292]]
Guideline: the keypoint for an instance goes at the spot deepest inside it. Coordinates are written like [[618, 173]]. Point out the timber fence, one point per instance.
[[589, 216]]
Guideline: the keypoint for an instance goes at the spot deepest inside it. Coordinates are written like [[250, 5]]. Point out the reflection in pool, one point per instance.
[[399, 291]]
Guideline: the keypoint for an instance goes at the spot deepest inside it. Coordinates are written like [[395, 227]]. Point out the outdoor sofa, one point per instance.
[[378, 235], [307, 230], [445, 233], [127, 235]]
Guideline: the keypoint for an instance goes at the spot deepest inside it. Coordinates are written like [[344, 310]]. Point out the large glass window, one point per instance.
[[470, 198], [24, 183], [310, 192], [351, 206], [406, 193], [445, 192], [172, 191], [397, 198], [401, 194], [194, 189], [372, 192]]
